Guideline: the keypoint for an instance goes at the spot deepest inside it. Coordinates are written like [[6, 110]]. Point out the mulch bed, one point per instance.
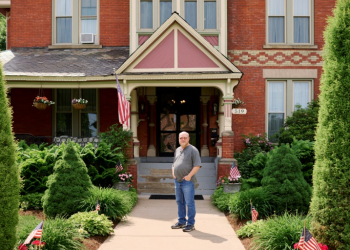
[[236, 224], [92, 243]]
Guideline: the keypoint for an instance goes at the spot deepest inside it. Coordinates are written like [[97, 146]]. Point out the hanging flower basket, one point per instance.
[[79, 103], [41, 103], [237, 102]]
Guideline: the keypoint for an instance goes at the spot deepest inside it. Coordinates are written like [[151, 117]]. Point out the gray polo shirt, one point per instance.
[[184, 161]]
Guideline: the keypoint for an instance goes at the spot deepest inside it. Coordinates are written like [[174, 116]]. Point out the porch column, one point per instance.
[[134, 122], [151, 151], [220, 121], [205, 149], [227, 134]]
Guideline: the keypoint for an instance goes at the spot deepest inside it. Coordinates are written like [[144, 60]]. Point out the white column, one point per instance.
[[151, 151], [205, 149], [220, 121], [134, 122]]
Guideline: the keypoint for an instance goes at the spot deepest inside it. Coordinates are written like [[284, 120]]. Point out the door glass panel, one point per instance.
[[88, 124], [188, 123], [168, 122], [193, 139], [64, 124], [168, 142]]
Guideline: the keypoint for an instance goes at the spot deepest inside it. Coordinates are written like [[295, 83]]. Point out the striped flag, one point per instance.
[[123, 106], [307, 241], [36, 233], [234, 173], [119, 167], [254, 214], [97, 206]]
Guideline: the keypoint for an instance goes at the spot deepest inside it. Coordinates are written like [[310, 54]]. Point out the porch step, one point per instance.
[[156, 178]]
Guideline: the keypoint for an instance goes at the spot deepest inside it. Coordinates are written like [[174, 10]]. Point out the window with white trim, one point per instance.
[[72, 18], [289, 22], [283, 97], [72, 122]]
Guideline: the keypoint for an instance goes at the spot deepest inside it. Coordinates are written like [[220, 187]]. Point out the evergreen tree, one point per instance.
[[330, 204], [284, 180], [3, 32], [9, 177], [67, 185]]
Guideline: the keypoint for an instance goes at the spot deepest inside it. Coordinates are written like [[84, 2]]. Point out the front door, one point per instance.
[[178, 110]]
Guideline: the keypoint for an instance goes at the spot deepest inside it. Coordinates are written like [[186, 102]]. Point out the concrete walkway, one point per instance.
[[148, 228]]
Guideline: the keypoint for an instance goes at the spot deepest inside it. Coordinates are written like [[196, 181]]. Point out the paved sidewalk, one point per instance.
[[148, 227]]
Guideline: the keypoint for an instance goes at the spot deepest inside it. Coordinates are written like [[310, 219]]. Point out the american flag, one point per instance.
[[307, 241], [36, 233], [119, 167], [123, 106], [97, 206], [234, 173], [254, 214]]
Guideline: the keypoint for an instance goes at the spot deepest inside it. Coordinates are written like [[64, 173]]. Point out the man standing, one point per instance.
[[186, 164]]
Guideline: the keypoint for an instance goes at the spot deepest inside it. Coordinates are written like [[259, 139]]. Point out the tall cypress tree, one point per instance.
[[9, 177], [67, 185], [330, 205]]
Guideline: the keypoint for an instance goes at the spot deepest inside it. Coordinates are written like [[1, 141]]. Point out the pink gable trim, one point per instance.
[[190, 56], [162, 56], [213, 40], [143, 39]]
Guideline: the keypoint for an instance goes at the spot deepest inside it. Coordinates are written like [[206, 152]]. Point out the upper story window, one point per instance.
[[73, 18], [289, 22], [202, 15]]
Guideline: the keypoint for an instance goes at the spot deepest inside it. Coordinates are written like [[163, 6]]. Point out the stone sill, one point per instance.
[[290, 46], [82, 46]]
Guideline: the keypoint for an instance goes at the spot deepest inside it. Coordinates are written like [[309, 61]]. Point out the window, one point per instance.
[[210, 14], [154, 10], [283, 97], [73, 18], [191, 13], [201, 14], [73, 122], [289, 22]]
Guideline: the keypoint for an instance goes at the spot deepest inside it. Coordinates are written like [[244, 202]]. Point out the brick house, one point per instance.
[[180, 64]]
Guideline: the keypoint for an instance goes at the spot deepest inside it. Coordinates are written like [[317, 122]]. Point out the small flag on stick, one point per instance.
[[97, 206], [234, 173], [119, 167], [254, 213], [307, 241], [36, 233]]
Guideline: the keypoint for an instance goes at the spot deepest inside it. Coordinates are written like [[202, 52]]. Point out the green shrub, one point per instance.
[[249, 229], [67, 185], [25, 226], [118, 137], [285, 183], [301, 125], [279, 232], [221, 199], [331, 176], [239, 204], [93, 223], [9, 176], [115, 204], [31, 201]]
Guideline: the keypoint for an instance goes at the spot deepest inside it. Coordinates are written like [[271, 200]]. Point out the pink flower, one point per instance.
[[296, 245], [323, 247], [37, 242], [22, 247]]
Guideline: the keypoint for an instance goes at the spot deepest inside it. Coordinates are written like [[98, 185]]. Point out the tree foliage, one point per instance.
[[2, 32], [284, 180], [331, 177], [9, 177], [67, 185]]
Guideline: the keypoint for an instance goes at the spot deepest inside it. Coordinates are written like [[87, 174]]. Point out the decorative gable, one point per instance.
[[176, 47]]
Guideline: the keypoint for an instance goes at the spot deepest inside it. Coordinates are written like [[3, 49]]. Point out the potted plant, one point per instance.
[[79, 103], [41, 102], [123, 181], [237, 102], [230, 184]]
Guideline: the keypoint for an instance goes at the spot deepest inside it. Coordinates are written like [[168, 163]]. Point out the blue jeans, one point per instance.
[[184, 192]]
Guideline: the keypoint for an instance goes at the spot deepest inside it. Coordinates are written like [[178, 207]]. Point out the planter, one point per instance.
[[121, 186], [235, 106], [79, 106], [40, 105], [231, 187]]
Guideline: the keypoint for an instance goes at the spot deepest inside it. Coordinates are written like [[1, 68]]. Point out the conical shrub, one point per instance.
[[330, 206], [9, 177], [68, 185], [285, 181]]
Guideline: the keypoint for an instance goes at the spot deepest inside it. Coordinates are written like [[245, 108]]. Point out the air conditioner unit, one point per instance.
[[87, 38]]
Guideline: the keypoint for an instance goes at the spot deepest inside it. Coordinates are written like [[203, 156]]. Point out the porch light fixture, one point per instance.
[[215, 108], [183, 101], [142, 107]]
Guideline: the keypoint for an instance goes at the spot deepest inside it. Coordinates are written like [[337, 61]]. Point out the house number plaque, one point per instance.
[[239, 111]]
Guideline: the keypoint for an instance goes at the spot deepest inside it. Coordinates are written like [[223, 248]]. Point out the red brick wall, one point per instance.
[[114, 22], [26, 118], [30, 23], [108, 108]]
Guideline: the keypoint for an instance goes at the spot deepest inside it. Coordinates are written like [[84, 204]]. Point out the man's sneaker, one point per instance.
[[178, 225], [188, 228]]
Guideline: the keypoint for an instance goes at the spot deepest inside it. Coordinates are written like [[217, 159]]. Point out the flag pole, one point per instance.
[[303, 234], [42, 230]]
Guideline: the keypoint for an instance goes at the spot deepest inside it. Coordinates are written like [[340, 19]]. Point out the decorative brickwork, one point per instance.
[[227, 144], [275, 57]]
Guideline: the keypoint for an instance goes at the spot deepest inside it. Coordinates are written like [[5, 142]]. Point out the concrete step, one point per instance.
[[144, 165]]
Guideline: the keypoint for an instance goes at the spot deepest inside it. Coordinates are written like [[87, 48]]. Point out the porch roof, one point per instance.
[[63, 62]]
